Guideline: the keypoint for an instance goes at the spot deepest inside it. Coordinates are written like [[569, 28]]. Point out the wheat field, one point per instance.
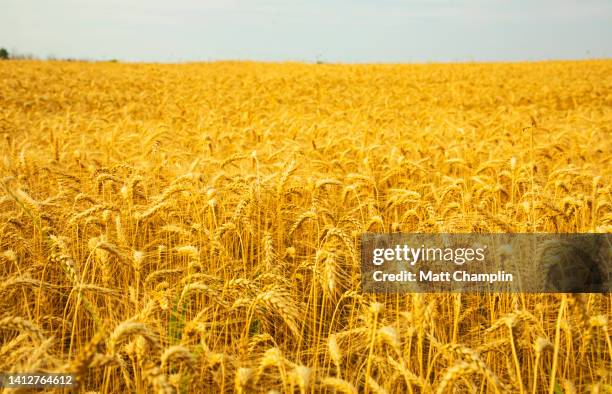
[[195, 227]]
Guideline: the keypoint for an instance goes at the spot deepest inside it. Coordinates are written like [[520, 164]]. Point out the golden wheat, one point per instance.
[[195, 227]]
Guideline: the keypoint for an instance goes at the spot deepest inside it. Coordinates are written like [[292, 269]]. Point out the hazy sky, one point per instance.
[[307, 30]]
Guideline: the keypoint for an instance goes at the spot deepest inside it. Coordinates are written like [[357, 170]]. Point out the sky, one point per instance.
[[344, 31]]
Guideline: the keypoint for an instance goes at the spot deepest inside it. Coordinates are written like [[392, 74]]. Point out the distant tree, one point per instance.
[[3, 54]]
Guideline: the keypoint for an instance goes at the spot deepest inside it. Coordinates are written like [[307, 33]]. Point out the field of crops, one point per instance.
[[195, 227]]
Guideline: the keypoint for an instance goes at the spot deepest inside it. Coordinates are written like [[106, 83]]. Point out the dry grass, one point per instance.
[[194, 227]]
